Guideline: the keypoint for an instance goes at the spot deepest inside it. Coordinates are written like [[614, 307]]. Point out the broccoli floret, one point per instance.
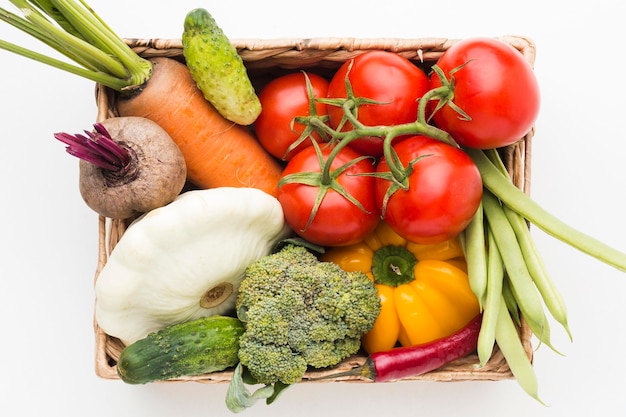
[[269, 363], [300, 312]]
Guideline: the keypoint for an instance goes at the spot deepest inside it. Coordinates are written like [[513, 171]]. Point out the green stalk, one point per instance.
[[508, 340], [520, 202], [491, 305], [75, 31], [98, 77], [43, 36], [510, 301], [86, 22], [71, 46], [524, 290], [550, 294], [474, 244], [50, 10]]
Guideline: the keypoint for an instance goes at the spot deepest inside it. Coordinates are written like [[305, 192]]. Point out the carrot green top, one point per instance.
[[73, 29]]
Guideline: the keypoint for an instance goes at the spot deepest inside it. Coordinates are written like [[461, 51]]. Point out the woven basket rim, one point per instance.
[[255, 49], [325, 51]]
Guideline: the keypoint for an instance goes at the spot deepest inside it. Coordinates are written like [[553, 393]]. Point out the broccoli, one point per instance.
[[299, 312]]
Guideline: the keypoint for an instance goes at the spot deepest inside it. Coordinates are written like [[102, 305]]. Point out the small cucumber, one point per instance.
[[217, 69], [200, 346]]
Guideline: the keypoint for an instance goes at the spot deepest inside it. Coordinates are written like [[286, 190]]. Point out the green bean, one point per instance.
[[522, 285], [495, 276], [511, 346], [475, 255], [551, 296], [517, 200], [495, 159], [510, 301], [543, 333]]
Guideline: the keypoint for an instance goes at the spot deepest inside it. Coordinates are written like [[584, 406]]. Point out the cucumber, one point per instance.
[[217, 69], [196, 347]]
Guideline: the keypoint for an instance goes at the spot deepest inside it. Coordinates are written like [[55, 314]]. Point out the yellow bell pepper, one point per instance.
[[424, 289]]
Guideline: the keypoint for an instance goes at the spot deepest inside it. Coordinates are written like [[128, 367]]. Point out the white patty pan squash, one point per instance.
[[185, 260]]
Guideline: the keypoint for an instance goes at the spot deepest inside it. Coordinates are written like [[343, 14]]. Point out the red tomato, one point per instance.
[[445, 190], [338, 221], [385, 77], [497, 89], [282, 99]]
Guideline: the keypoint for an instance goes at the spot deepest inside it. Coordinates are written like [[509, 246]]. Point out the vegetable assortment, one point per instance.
[[384, 366], [205, 137], [402, 362], [160, 89], [364, 210], [391, 100], [424, 289], [185, 260], [418, 359], [487, 212]]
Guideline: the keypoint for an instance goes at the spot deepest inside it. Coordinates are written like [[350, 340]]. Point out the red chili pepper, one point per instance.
[[415, 360], [407, 361]]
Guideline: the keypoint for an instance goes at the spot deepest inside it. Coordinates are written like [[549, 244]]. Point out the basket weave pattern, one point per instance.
[[266, 59]]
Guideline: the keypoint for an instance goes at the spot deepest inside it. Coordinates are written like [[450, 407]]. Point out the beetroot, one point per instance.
[[128, 166]]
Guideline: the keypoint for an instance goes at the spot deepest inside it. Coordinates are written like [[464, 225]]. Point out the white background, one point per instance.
[[48, 236]]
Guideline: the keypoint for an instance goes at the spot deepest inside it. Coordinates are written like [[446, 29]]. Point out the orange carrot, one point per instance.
[[217, 151]]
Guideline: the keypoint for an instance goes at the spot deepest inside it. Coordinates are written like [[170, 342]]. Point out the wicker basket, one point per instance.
[[266, 59]]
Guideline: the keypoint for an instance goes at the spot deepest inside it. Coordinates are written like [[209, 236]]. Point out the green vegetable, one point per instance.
[[526, 294], [508, 341], [491, 307], [208, 344], [502, 187], [218, 69], [513, 280], [299, 312], [239, 398], [74, 30]]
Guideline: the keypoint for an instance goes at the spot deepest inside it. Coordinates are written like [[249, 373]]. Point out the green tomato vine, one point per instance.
[[339, 138]]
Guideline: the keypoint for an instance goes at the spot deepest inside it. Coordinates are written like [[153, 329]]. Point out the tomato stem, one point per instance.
[[445, 93], [340, 137], [325, 179]]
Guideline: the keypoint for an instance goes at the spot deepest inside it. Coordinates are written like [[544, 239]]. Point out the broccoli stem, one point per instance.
[[239, 398]]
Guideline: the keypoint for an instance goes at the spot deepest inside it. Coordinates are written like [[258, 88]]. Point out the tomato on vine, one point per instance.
[[386, 88], [282, 100], [438, 196], [492, 93], [326, 199]]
